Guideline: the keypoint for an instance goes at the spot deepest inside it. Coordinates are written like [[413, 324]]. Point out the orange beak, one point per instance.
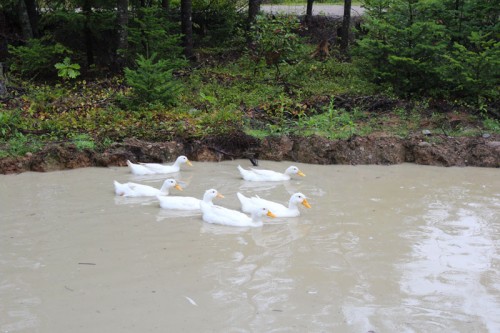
[[305, 203]]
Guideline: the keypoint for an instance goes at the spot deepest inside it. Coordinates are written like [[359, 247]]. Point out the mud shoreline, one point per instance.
[[437, 150]]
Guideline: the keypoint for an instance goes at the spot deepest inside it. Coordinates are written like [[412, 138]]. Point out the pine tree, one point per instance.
[[152, 81]]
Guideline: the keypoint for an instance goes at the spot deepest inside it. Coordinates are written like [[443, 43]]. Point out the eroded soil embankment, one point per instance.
[[425, 150]]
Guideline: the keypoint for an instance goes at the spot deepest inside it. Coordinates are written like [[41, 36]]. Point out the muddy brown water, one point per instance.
[[401, 248]]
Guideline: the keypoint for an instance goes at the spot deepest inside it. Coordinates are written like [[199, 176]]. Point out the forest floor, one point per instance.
[[431, 141]]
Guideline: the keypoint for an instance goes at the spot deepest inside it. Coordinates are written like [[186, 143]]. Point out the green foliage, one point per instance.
[[82, 31], [492, 125], [416, 47], [407, 121], [220, 121], [217, 22], [19, 144], [279, 115], [403, 45], [274, 39], [463, 17], [67, 70], [333, 123], [83, 141], [210, 99], [412, 48], [279, 106], [43, 100], [474, 71], [152, 81], [9, 122], [35, 58], [8, 5], [329, 77], [151, 32]]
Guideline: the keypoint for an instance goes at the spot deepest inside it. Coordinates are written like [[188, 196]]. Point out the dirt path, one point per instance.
[[327, 10]]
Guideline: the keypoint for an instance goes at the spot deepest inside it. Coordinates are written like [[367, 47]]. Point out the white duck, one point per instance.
[[219, 215], [138, 169], [156, 168], [248, 204], [140, 190], [184, 203], [257, 175]]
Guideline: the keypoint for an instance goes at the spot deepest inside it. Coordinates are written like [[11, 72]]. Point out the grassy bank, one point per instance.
[[304, 97]]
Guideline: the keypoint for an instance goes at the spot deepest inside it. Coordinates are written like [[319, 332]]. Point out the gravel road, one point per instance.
[[318, 9]]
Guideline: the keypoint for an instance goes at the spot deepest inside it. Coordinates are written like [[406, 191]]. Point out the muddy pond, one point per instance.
[[402, 248]]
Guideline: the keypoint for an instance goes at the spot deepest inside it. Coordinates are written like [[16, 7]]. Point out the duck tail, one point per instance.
[[119, 188], [242, 171], [240, 196]]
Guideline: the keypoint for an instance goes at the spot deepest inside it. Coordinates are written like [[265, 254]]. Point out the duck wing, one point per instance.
[[160, 168], [179, 203], [224, 216], [141, 190], [262, 175]]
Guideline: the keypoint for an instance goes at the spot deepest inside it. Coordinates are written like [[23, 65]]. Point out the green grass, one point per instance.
[[83, 141], [19, 145], [492, 125], [240, 95]]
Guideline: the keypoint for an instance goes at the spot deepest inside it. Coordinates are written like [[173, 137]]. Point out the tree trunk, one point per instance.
[[122, 22], [24, 19], [253, 10], [346, 25], [187, 27], [3, 81], [31, 8], [165, 4], [89, 47], [309, 11]]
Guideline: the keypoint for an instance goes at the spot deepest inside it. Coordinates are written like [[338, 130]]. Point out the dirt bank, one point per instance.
[[436, 150]]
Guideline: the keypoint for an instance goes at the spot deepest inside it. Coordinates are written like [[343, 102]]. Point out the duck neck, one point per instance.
[[292, 205], [165, 190], [207, 201], [256, 223], [256, 218]]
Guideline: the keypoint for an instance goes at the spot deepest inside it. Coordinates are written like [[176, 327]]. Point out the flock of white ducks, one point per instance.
[[211, 213]]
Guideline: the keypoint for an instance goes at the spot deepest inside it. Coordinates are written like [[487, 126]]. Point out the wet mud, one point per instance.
[[437, 150]]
